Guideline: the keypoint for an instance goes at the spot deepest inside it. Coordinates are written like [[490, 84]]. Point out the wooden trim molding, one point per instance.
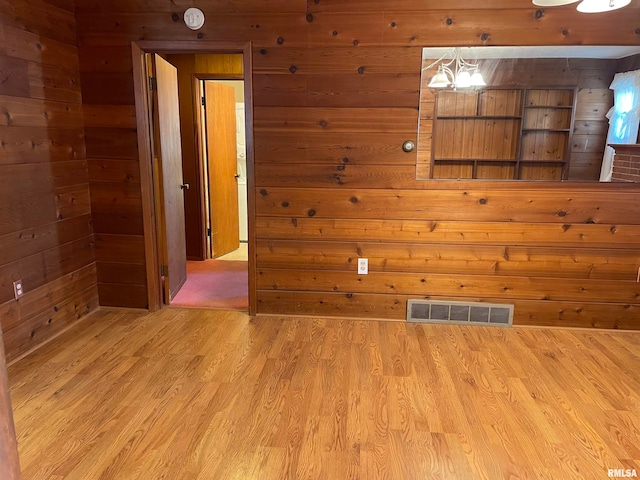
[[9, 463], [145, 152], [154, 291]]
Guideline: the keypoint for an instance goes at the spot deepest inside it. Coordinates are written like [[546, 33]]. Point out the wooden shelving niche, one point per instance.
[[503, 134]]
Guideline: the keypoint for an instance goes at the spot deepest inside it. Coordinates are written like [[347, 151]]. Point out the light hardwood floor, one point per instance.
[[184, 394]]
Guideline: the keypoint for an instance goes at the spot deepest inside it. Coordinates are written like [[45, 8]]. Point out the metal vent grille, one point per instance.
[[474, 313]]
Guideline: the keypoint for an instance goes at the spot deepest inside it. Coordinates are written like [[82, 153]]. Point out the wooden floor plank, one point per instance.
[[188, 393]]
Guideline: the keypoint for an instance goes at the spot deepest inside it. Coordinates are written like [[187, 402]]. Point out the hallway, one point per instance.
[[221, 283]]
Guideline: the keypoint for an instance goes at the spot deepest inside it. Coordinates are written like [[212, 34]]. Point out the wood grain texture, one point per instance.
[[518, 205], [46, 236], [394, 307], [334, 82], [205, 394], [9, 461], [579, 236], [483, 259]]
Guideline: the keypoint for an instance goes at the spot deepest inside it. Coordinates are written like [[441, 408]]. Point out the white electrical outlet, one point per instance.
[[363, 266], [17, 289]]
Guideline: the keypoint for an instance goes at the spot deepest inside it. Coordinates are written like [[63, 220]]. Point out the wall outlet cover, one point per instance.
[[363, 266]]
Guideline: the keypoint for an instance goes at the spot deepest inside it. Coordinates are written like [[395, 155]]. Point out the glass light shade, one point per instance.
[[439, 80], [463, 80], [477, 80], [553, 3], [598, 6]]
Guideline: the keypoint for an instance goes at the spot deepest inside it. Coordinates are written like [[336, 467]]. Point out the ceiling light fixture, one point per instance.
[[586, 6], [456, 73]]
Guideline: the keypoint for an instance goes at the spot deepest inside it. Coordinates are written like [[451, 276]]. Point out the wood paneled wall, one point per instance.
[[45, 214], [629, 63], [336, 88]]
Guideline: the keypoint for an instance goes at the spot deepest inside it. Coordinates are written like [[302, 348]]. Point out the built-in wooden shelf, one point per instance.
[[569, 107], [475, 160], [478, 117], [525, 130], [527, 137]]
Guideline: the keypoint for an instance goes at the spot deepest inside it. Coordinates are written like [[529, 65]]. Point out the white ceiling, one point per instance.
[[570, 51]]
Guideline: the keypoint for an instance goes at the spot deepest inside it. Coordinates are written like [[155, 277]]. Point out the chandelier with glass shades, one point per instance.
[[455, 73], [586, 6]]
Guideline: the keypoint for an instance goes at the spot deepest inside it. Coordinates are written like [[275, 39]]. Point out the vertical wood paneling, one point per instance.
[[46, 236], [334, 86]]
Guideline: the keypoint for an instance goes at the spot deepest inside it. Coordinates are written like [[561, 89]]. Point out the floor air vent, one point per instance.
[[433, 311]]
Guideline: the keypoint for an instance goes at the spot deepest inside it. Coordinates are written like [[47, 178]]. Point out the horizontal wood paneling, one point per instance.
[[15, 72], [119, 248], [335, 148], [40, 144], [109, 116], [37, 48], [141, 6], [450, 232], [346, 175], [122, 273], [518, 205], [451, 285], [54, 83], [335, 60], [44, 267], [46, 310], [394, 307], [469, 26], [114, 170], [117, 87], [111, 143], [354, 90], [334, 86], [33, 112], [106, 59], [30, 241], [38, 17], [116, 207], [609, 264], [46, 236], [122, 295], [293, 119]]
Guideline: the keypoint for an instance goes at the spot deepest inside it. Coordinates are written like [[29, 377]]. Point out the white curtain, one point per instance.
[[624, 117]]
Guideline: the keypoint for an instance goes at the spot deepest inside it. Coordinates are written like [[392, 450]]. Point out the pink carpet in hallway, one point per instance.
[[216, 284]]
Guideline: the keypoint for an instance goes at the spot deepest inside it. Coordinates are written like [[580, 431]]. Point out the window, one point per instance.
[[624, 117]]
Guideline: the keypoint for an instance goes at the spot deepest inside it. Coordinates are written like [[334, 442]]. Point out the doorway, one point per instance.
[[220, 279], [153, 190], [222, 139]]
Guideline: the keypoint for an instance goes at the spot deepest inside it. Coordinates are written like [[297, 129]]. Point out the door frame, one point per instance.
[[197, 91], [143, 124]]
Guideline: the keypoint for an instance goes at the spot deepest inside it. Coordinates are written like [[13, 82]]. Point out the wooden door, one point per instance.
[[220, 107], [168, 151]]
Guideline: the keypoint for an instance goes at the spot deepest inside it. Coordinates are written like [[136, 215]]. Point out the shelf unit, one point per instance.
[[547, 123], [505, 133]]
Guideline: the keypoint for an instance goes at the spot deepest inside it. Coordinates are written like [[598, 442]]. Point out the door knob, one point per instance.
[[237, 175], [184, 186]]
